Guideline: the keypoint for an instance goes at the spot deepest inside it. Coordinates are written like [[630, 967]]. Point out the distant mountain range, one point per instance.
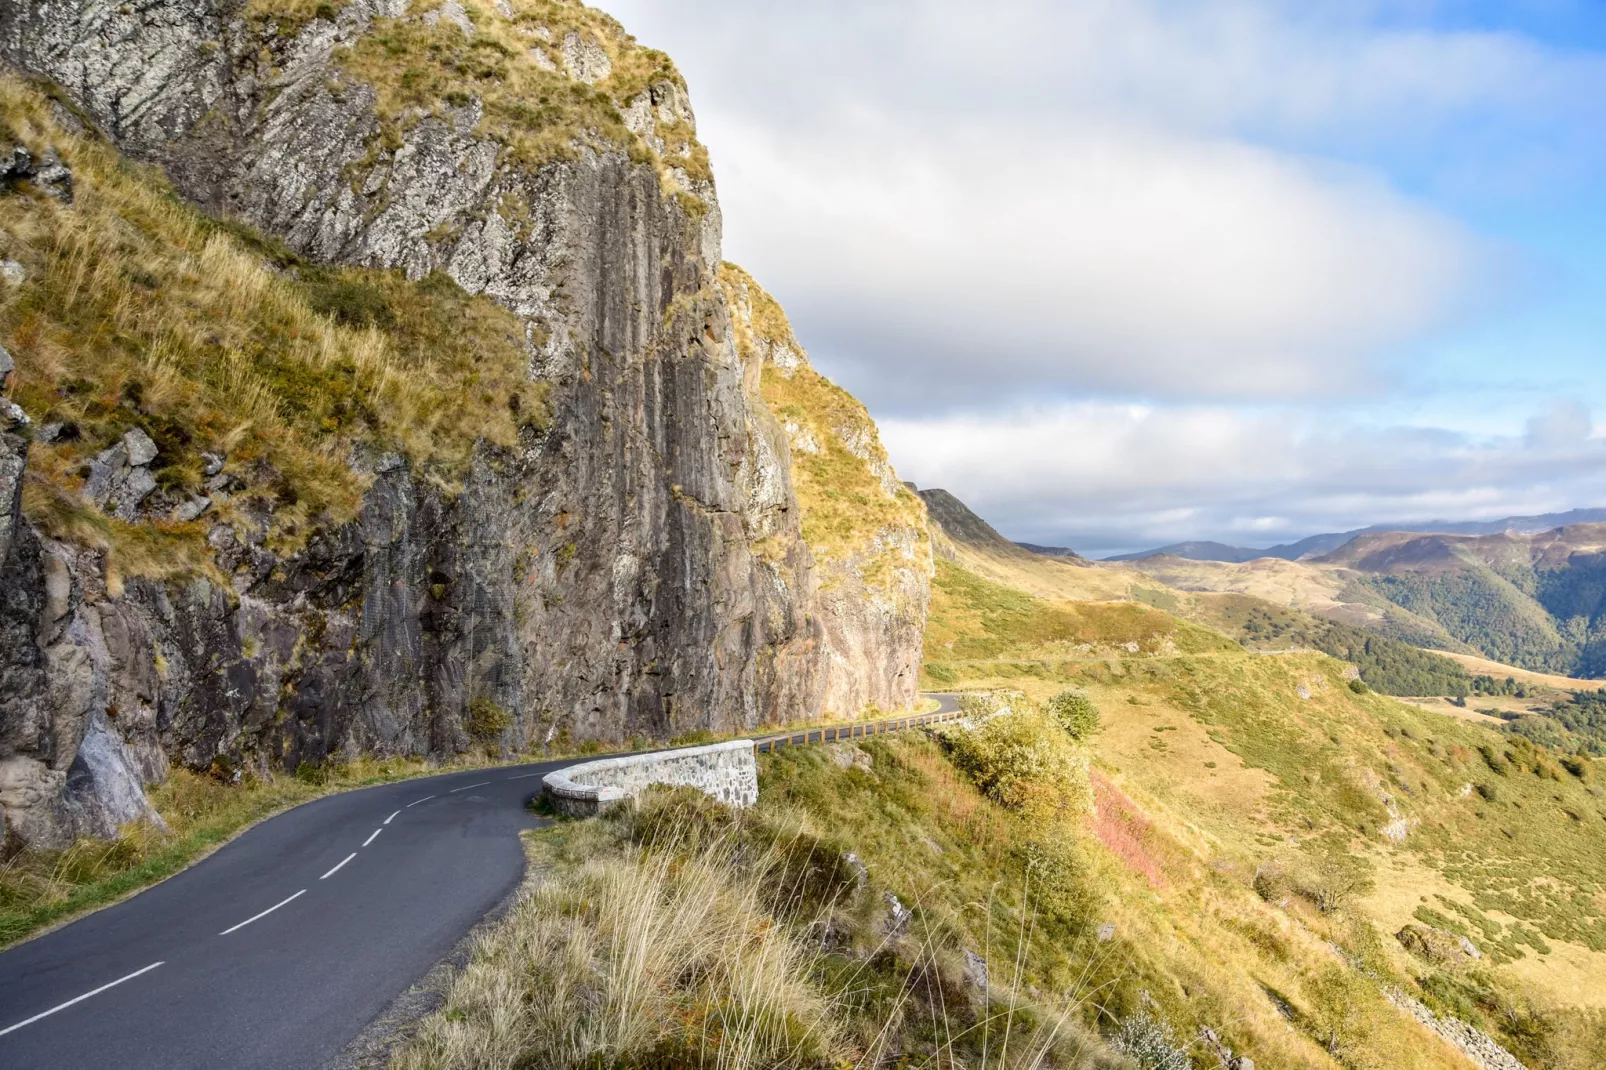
[[1316, 545]]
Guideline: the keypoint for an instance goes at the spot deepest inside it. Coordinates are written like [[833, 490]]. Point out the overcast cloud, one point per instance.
[[1109, 268]]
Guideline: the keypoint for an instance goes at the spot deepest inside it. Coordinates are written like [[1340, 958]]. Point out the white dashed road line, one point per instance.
[[371, 839], [391, 818], [80, 999], [343, 861], [264, 914], [465, 787], [523, 776], [415, 802]]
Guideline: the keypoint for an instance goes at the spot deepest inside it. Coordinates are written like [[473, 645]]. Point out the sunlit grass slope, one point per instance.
[[1300, 810]]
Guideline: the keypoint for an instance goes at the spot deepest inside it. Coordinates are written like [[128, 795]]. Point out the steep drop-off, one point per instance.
[[569, 513]]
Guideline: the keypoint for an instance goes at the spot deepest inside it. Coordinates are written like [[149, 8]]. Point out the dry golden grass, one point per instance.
[[1046, 577], [685, 935], [1485, 667], [139, 311], [514, 66], [650, 957], [1227, 761]]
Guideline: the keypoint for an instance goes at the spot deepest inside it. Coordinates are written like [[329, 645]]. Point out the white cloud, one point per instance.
[[973, 210], [1116, 196], [936, 267], [1113, 477]]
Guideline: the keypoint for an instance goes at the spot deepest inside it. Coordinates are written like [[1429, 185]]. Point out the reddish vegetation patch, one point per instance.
[[1121, 826]]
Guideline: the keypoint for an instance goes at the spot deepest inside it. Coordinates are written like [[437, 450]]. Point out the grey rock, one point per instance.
[[861, 872], [1106, 932], [12, 418], [898, 915], [1482, 1049], [1471, 949], [13, 273], [976, 972], [57, 431], [107, 472], [13, 458], [7, 366], [104, 788], [193, 509], [1243, 1062], [53, 177], [212, 464], [141, 450], [16, 162], [600, 580], [118, 483]]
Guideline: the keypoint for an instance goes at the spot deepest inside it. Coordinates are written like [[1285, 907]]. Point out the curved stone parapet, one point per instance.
[[727, 771]]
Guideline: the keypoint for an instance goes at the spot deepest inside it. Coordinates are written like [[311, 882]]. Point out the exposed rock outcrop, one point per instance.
[[866, 530], [636, 565]]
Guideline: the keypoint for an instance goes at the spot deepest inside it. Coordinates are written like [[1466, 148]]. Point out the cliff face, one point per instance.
[[632, 562], [867, 532]]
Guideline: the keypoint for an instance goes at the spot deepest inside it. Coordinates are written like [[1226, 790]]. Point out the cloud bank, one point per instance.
[[1127, 271]]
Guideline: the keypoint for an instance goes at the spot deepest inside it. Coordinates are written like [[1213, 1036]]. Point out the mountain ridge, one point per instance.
[[1328, 542]]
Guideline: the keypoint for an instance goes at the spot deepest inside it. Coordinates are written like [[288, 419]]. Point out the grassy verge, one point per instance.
[[681, 934]]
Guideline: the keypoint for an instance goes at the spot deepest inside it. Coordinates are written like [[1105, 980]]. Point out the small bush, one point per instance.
[[1075, 713], [1150, 1042], [1359, 686], [486, 721], [1023, 762]]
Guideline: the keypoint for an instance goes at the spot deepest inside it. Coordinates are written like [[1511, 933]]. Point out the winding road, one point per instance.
[[280, 948]]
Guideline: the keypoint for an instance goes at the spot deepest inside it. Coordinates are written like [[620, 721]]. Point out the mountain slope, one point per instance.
[[965, 538], [1256, 813], [1533, 600]]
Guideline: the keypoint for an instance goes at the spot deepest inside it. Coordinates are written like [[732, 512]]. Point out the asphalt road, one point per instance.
[[282, 946], [364, 893]]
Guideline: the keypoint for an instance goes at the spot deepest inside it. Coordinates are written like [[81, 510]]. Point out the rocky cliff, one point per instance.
[[473, 458], [867, 532]]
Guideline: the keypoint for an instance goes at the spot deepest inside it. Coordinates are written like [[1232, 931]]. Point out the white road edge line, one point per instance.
[[371, 839], [343, 861], [523, 776], [465, 787], [264, 914], [80, 999], [392, 817], [415, 802]]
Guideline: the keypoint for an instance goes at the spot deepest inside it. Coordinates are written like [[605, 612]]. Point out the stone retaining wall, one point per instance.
[[727, 771]]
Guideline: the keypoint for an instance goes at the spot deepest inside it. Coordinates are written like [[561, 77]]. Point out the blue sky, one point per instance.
[[1124, 272]]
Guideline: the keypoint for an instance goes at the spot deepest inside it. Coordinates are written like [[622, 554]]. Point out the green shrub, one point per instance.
[[486, 721], [1075, 713], [1023, 761]]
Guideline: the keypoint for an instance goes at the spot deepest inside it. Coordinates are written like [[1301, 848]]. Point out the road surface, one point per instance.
[[279, 948]]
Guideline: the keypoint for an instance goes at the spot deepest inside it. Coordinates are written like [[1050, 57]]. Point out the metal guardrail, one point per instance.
[[769, 744]]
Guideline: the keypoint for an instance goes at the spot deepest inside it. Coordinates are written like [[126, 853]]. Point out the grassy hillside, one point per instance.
[[1533, 601], [1255, 768]]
